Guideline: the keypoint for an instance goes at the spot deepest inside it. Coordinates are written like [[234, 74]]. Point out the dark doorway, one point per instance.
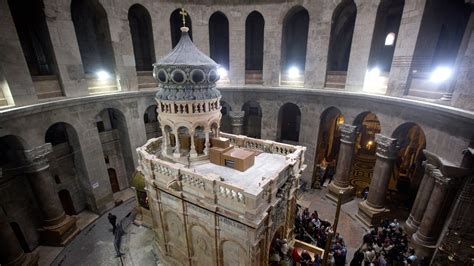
[[66, 201], [142, 37], [20, 237], [34, 37], [252, 119], [219, 39], [113, 180], [289, 119], [176, 22]]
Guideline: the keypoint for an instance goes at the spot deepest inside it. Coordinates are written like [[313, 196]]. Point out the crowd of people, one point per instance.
[[385, 245]]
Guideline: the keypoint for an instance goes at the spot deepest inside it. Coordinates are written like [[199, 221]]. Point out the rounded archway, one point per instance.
[[289, 118], [294, 44], [364, 151], [219, 39], [327, 150], [226, 125], [152, 126], [252, 119], [342, 30], [113, 132], [142, 37], [254, 36], [408, 170], [68, 167]]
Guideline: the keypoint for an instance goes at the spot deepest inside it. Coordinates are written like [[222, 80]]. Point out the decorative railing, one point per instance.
[[210, 187], [188, 107]]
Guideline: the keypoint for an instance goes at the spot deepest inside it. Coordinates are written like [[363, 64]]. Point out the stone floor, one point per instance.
[[94, 245], [351, 229]]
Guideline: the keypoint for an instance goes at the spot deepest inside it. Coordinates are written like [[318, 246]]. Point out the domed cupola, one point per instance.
[[187, 100]]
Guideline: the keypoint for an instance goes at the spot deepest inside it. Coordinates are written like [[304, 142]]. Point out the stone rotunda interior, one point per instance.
[[236, 132]]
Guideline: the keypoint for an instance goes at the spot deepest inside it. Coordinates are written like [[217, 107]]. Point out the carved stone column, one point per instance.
[[237, 121], [177, 148], [421, 200], [373, 209], [206, 148], [446, 184], [192, 151], [343, 168], [11, 252], [58, 228]]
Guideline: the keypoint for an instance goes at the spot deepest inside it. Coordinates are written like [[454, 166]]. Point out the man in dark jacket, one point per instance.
[[112, 220]]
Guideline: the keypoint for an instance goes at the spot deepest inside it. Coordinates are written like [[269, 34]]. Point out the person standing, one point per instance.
[[112, 220]]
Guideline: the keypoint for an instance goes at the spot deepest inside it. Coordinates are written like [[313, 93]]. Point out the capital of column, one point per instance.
[[37, 158], [387, 148], [237, 118], [348, 133]]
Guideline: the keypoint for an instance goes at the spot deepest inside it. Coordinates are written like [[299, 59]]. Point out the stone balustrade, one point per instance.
[[189, 107]]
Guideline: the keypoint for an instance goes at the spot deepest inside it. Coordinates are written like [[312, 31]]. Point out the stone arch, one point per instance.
[[112, 126], [289, 118], [252, 119], [363, 160], [254, 41], [389, 17], [219, 39], [408, 170], [277, 236], [202, 249], [152, 125], [233, 253], [327, 149], [176, 22], [226, 125], [67, 160], [142, 37], [30, 24], [294, 40], [93, 36]]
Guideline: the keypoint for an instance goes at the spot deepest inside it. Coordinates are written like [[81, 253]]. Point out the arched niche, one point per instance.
[[176, 22], [342, 30], [30, 24], [152, 126], [254, 39], [327, 150], [252, 119], [289, 119], [294, 44], [67, 163], [142, 37], [363, 160], [112, 127], [408, 169], [93, 36], [219, 39]]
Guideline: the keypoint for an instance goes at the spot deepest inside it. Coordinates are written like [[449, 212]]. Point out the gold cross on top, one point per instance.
[[184, 14]]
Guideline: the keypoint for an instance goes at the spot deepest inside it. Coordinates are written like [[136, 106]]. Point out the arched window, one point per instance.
[[176, 22], [254, 34], [387, 24], [142, 37], [32, 30], [294, 42], [342, 30], [93, 36], [289, 118], [219, 39]]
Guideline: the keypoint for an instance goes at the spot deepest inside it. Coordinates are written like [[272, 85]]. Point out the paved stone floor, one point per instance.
[[94, 245]]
